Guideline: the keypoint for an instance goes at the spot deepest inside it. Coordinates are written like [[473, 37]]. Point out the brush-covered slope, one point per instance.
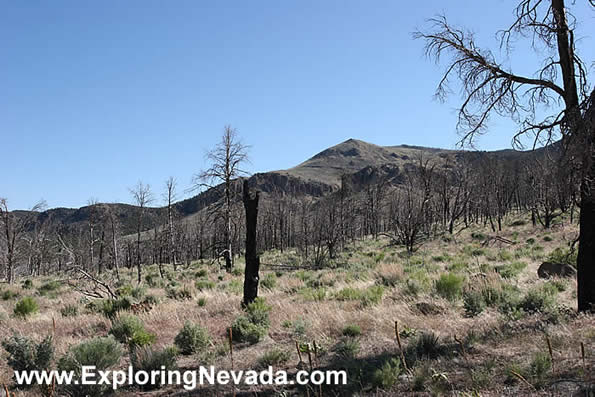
[[316, 177], [353, 155]]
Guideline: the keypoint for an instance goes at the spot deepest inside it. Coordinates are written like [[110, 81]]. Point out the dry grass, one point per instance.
[[497, 337]]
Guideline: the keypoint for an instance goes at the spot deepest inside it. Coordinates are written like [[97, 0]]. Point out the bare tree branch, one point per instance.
[[488, 87]]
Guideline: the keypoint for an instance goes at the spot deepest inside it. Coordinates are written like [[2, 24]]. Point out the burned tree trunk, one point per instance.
[[252, 259], [586, 248]]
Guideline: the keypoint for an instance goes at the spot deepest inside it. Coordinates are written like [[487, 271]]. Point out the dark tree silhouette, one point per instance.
[[252, 259], [561, 83], [13, 227], [142, 196], [226, 159]]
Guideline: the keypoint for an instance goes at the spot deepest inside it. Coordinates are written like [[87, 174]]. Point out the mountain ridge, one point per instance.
[[315, 177]]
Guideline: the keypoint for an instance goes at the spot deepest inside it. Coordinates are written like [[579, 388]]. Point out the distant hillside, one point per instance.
[[316, 177], [353, 155]]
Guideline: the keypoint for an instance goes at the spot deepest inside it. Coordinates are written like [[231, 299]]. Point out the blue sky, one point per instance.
[[98, 95]]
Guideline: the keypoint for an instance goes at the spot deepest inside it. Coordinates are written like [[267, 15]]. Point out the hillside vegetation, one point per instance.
[[472, 315], [315, 178]]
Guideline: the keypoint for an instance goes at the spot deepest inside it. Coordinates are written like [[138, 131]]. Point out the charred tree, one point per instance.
[[142, 197], [226, 159], [252, 259], [586, 248], [488, 87]]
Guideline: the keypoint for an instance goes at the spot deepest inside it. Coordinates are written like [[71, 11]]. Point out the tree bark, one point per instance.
[[252, 259], [101, 247], [586, 248], [584, 128], [138, 258], [172, 246], [115, 248], [228, 255]]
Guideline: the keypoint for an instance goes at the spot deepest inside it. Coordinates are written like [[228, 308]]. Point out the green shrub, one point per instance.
[[421, 375], [441, 258], [354, 273], [192, 338], [49, 288], [373, 295], [478, 236], [148, 360], [269, 281], [273, 357], [407, 332], [110, 307], [348, 293], [387, 375], [509, 299], [26, 355], [370, 296], [26, 307], [154, 280], [202, 285], [202, 301], [530, 241], [313, 294], [389, 275], [258, 312], [138, 292], [473, 302], [450, 286], [130, 330], [201, 273], [352, 330], [102, 353], [254, 325], [413, 287], [142, 338], [299, 327], [348, 348], [179, 293], [457, 266], [151, 300], [563, 255], [510, 270], [505, 256], [124, 290], [9, 294], [559, 285], [237, 271], [511, 371], [233, 286], [539, 368], [426, 345], [27, 284], [522, 252], [243, 330], [547, 238], [320, 281], [69, 311], [539, 299]]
